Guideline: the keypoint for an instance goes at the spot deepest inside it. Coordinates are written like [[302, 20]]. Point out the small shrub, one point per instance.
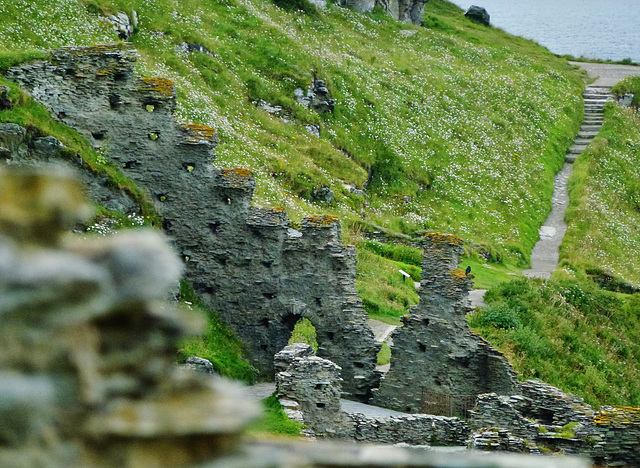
[[500, 316]]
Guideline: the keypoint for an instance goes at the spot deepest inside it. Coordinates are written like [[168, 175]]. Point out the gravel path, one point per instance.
[[606, 74]]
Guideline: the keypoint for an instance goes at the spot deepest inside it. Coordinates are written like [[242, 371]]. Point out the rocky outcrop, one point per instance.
[[407, 11], [438, 366], [246, 263], [478, 14]]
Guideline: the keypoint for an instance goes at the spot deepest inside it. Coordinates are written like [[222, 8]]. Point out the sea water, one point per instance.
[[589, 28]]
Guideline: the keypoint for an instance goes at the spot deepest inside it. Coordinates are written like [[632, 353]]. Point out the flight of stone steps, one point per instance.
[[595, 98], [545, 254]]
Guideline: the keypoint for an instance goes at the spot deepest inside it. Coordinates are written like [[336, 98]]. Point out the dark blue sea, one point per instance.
[[592, 28]]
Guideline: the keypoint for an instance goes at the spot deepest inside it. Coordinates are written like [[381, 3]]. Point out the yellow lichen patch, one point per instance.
[[200, 133], [236, 176], [622, 415], [458, 274], [160, 85], [78, 75], [322, 220], [443, 238]]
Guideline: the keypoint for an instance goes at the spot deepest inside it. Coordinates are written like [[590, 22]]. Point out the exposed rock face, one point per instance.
[[363, 6], [246, 263], [438, 365], [478, 14], [317, 96], [123, 25], [407, 11]]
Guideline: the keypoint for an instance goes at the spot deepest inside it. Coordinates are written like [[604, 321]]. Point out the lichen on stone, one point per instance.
[[160, 85], [321, 220], [200, 134], [442, 238], [622, 415]]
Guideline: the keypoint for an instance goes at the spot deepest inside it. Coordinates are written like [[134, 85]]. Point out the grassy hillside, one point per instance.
[[603, 237], [569, 333], [452, 126]]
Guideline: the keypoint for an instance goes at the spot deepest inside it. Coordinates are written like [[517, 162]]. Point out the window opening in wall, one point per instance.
[[303, 332]]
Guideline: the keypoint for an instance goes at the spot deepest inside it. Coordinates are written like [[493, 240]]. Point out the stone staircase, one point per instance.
[[544, 257], [595, 98]]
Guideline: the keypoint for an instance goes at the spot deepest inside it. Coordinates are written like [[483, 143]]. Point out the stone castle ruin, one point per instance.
[[439, 366], [247, 264], [88, 343]]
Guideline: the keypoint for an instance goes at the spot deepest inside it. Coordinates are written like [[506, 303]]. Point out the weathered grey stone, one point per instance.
[[316, 97], [46, 147], [362, 6], [407, 11], [201, 365], [242, 261], [323, 194], [437, 364], [122, 24], [315, 384], [478, 14]]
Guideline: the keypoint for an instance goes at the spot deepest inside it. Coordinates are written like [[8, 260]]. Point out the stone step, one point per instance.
[[597, 119], [587, 134], [597, 96], [576, 149], [571, 157], [591, 128], [590, 107], [581, 142]]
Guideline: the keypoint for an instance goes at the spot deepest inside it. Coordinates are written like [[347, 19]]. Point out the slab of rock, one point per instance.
[[478, 14]]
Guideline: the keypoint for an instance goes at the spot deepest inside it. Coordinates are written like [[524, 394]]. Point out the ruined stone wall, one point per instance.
[[543, 418], [246, 263], [313, 387], [435, 351]]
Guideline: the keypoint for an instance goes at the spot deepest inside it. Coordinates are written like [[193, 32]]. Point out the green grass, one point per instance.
[[569, 333], [304, 332], [384, 355], [218, 344], [386, 293], [466, 121], [604, 213], [275, 421]]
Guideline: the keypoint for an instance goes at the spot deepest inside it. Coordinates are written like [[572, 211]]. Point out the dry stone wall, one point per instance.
[[246, 263], [435, 351]]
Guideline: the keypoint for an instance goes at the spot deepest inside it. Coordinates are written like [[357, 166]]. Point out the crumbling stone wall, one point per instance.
[[543, 417], [246, 263], [314, 385], [435, 350]]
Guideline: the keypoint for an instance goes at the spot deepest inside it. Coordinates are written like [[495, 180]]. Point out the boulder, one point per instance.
[[478, 14]]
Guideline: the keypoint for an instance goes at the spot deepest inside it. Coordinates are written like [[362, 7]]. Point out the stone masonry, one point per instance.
[[87, 355], [435, 355], [246, 263], [312, 385]]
